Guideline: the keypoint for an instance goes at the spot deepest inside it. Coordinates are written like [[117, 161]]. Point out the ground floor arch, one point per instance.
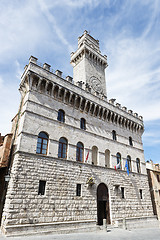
[[103, 209]]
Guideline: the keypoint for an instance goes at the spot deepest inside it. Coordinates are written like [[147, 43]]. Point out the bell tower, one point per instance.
[[89, 64]]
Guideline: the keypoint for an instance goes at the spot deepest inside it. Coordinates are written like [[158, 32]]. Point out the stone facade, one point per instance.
[[153, 171], [49, 182]]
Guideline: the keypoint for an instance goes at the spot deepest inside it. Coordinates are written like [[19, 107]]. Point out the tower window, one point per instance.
[[130, 141], [129, 163], [140, 193], [61, 116], [42, 143], [107, 158], [138, 165], [79, 152], [122, 192], [158, 179], [118, 158], [41, 190], [94, 155], [62, 149], [114, 135], [83, 124], [78, 190]]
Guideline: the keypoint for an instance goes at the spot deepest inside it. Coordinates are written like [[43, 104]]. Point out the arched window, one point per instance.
[[94, 155], [42, 143], [79, 152], [118, 155], [83, 123], [61, 116], [130, 141], [114, 135], [107, 158], [62, 149], [129, 163], [138, 165]]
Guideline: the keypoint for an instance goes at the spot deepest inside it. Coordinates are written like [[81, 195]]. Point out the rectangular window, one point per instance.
[[122, 192], [41, 190], [78, 190], [158, 178], [140, 192]]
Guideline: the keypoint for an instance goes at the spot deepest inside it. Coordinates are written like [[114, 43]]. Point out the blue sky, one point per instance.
[[129, 34]]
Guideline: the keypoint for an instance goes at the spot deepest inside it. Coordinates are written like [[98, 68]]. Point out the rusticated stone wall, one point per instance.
[[60, 203]]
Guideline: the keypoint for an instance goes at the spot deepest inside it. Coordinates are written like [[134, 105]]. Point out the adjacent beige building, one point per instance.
[[153, 171], [68, 139], [5, 148]]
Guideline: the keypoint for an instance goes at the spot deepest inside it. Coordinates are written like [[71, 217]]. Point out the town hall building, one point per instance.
[[77, 157]]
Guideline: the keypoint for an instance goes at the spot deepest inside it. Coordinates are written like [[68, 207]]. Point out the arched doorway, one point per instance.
[[103, 211]]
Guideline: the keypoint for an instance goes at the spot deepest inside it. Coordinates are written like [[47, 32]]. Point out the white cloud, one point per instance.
[[73, 4], [23, 29], [9, 99], [151, 137], [133, 75], [1, 83], [19, 69], [56, 28]]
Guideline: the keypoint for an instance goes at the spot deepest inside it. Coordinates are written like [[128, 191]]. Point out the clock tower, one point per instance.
[[89, 64]]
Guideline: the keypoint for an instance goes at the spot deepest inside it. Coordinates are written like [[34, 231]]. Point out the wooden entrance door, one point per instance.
[[103, 211]]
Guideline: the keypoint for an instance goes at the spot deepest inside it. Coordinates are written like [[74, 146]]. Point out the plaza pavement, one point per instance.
[[113, 234]]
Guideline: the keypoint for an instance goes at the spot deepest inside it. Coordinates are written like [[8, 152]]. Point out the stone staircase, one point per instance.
[[80, 226]]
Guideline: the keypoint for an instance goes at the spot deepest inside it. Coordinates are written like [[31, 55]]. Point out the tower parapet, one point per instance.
[[89, 64]]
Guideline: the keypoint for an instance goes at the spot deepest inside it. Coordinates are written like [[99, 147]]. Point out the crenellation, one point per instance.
[[69, 79], [130, 111], [33, 59], [118, 105], [58, 73], [124, 108], [46, 66]]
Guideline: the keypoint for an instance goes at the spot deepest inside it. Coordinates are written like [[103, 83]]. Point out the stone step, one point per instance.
[[139, 222], [58, 228]]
